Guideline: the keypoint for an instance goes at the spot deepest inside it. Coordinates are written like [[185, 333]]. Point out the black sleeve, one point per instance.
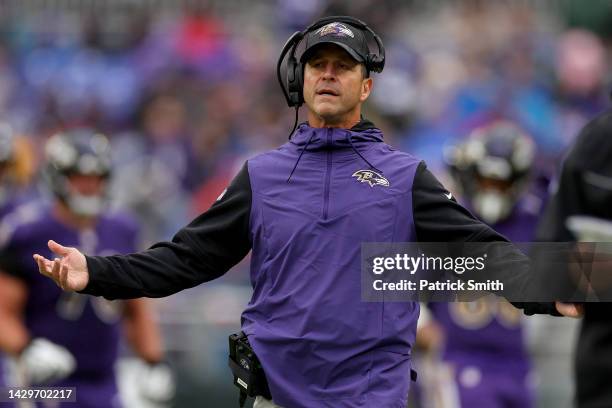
[[438, 218], [203, 250], [565, 201]]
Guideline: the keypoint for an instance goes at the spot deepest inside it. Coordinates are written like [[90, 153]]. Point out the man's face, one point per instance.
[[87, 185], [86, 196], [334, 84]]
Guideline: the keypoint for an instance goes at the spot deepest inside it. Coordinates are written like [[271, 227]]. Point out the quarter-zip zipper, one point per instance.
[[327, 175]]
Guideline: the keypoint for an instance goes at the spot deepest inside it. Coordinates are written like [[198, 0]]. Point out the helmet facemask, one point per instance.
[[78, 169]]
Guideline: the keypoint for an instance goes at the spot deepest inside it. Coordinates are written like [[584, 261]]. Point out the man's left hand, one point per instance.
[[575, 310]]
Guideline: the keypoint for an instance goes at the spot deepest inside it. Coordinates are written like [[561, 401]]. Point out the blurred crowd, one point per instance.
[[187, 93]]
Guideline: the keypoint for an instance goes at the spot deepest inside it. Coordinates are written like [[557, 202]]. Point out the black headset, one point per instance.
[[294, 91]]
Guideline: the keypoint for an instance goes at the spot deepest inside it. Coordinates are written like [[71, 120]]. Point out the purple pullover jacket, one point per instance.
[[319, 344]]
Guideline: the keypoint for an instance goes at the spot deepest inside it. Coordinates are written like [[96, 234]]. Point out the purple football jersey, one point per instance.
[[5, 208], [520, 225], [488, 327], [14, 198], [87, 326], [484, 339]]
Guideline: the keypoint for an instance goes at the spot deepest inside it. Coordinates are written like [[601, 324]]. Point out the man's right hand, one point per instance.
[[69, 272]]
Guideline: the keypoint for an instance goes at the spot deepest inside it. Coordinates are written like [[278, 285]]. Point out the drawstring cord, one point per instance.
[[301, 153], [350, 139]]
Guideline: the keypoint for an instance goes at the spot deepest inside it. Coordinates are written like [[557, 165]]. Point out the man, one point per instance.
[[483, 349], [304, 209], [580, 210], [15, 172], [67, 339]]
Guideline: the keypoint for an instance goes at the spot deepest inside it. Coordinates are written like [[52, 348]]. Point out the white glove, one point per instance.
[[143, 385], [156, 383], [590, 229], [44, 362]]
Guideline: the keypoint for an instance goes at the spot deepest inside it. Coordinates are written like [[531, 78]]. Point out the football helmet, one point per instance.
[[492, 168], [78, 152]]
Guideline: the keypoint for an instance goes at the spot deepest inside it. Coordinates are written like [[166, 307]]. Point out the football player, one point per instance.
[[15, 177], [485, 362], [67, 339]]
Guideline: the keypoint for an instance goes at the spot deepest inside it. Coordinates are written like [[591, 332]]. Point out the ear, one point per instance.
[[366, 88]]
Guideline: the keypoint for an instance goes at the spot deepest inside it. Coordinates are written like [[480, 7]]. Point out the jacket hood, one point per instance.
[[361, 134]]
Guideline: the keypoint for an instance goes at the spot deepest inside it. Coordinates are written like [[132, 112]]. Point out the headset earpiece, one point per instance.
[[299, 75], [290, 86], [294, 82], [375, 63]]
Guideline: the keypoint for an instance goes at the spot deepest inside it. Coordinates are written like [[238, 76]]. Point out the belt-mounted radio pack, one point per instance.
[[248, 373]]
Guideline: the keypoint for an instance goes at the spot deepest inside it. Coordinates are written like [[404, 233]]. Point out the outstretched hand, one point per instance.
[[69, 272], [570, 309]]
